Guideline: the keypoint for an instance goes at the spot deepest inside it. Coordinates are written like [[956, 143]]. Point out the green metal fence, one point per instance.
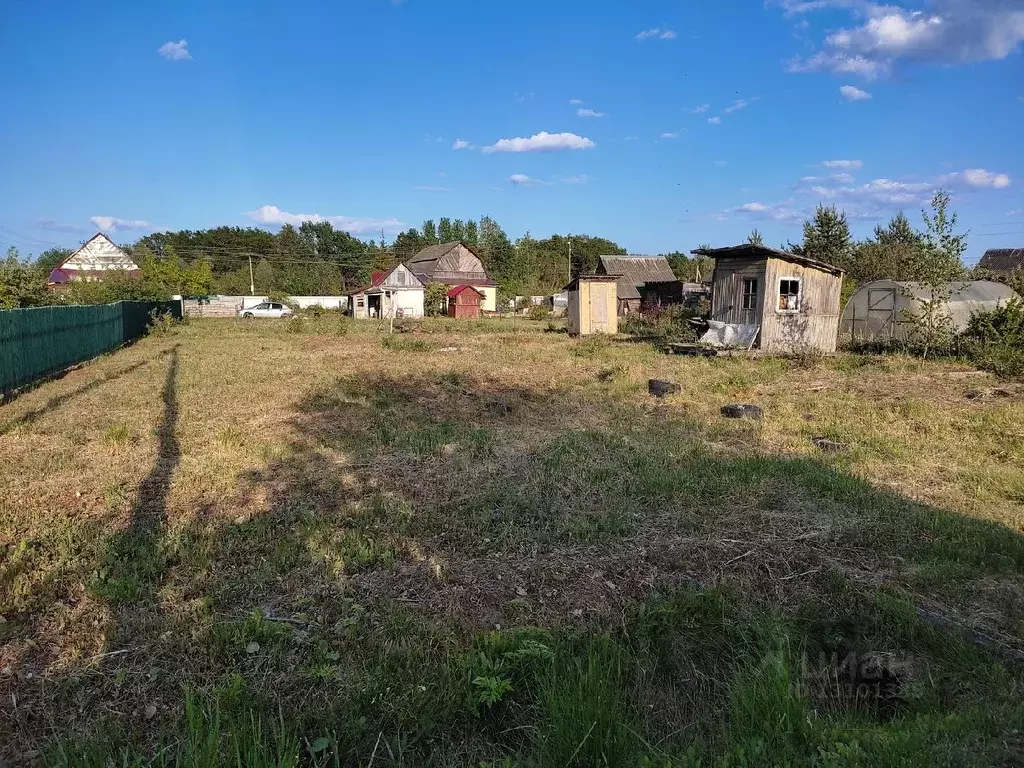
[[40, 341]]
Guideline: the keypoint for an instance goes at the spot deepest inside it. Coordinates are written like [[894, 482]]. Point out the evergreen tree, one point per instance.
[[827, 237], [754, 238]]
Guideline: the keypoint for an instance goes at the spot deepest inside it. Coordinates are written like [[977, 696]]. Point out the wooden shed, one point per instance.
[[593, 305], [790, 301], [464, 302]]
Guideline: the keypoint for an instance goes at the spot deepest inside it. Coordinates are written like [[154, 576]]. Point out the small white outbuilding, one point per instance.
[[886, 310]]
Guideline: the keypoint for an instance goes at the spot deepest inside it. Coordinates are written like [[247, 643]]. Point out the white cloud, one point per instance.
[[575, 102], [846, 164], [274, 216], [580, 179], [947, 32], [175, 51], [777, 212], [541, 142], [522, 180], [114, 224], [589, 113], [430, 188], [461, 144], [670, 135], [853, 93], [700, 109], [978, 178], [715, 120], [842, 178], [737, 105], [657, 33]]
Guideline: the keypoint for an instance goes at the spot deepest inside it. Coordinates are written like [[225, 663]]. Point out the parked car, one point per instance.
[[266, 309]]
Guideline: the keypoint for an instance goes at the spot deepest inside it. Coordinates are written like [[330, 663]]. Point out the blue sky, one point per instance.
[[661, 125]]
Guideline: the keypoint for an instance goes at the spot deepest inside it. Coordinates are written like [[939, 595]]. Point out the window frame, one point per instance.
[[799, 295], [753, 295]]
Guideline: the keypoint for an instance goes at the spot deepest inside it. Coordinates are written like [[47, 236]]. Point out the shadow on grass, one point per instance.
[[133, 564], [57, 401], [412, 513]]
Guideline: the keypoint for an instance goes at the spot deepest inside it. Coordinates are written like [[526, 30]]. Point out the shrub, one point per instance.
[[435, 299], [538, 312], [161, 323], [995, 339]]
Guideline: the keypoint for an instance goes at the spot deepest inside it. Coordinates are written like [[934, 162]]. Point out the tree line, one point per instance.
[[314, 258]]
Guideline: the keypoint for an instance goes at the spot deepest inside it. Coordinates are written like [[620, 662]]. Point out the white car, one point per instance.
[[266, 309]]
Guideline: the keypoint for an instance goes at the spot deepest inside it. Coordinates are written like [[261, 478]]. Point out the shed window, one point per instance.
[[789, 294], [750, 293]]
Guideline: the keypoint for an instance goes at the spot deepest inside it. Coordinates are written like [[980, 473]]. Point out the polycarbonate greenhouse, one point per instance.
[[885, 310]]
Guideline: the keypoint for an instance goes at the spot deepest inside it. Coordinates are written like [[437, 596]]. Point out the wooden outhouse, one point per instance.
[[593, 305], [464, 302], [789, 302]]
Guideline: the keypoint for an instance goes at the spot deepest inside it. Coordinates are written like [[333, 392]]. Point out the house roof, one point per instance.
[[96, 255], [639, 270], [625, 289], [458, 289], [1002, 259], [751, 251], [435, 252], [379, 278]]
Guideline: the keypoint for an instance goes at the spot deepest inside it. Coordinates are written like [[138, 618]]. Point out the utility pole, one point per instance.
[[252, 285], [570, 259]]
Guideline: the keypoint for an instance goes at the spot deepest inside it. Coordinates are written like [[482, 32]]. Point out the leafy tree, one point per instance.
[[49, 259], [496, 251], [409, 243], [827, 237], [21, 285], [458, 231], [444, 230], [946, 247], [472, 236], [690, 269], [755, 238], [430, 232], [435, 299]]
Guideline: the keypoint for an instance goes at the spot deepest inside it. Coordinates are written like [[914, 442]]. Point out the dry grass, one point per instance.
[[158, 504]]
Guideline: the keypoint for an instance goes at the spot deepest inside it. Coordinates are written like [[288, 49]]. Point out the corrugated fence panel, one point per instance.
[[39, 341]]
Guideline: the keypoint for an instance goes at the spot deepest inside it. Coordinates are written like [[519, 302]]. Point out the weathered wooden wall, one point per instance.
[[727, 290], [816, 325]]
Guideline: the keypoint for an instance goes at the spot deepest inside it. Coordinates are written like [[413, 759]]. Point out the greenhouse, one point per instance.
[[885, 310]]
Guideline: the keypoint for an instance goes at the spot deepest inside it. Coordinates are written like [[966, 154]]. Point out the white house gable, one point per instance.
[[97, 255], [401, 278]]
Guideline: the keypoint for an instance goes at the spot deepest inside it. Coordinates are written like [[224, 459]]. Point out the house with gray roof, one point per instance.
[[1002, 261], [455, 264], [642, 280]]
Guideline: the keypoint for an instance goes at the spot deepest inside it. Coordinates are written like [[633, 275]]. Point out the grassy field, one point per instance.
[[484, 544]]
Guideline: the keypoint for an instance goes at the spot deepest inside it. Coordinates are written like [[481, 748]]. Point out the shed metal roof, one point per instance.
[[751, 251]]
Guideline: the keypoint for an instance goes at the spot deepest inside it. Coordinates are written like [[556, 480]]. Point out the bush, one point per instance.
[[538, 312], [435, 299], [995, 340], [671, 323]]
